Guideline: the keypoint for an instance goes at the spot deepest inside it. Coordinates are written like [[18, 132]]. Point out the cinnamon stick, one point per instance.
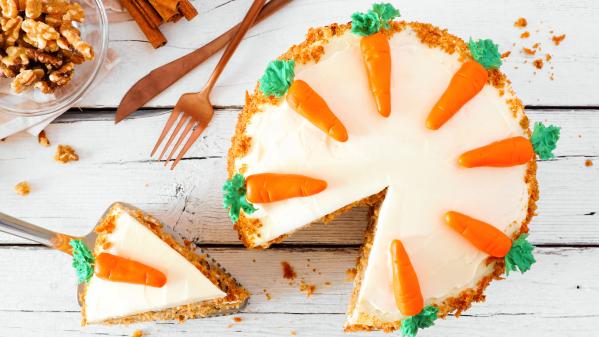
[[151, 32], [149, 12], [187, 9], [167, 9]]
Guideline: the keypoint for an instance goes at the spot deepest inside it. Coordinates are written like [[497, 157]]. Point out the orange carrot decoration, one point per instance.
[[377, 57], [303, 99], [482, 235], [406, 287], [119, 269], [508, 152], [465, 84], [271, 187]]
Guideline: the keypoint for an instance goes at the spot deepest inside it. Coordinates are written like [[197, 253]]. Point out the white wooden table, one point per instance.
[[558, 297]]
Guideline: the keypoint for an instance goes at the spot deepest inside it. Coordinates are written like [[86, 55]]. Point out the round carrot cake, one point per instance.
[[411, 121]]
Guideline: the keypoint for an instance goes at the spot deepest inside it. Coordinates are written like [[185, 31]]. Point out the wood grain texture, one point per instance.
[[115, 165], [575, 62], [555, 298]]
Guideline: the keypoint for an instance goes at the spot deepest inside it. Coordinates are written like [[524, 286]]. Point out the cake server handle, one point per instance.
[[29, 231]]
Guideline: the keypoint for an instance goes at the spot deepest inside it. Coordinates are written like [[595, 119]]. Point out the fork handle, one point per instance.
[[29, 231], [244, 26]]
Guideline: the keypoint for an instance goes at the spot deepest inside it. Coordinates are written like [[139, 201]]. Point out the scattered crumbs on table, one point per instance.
[[350, 274], [267, 294], [146, 184], [538, 63], [65, 154], [230, 326], [327, 283], [22, 188], [557, 39], [288, 271], [293, 333], [137, 333], [253, 260], [525, 35], [42, 139], [588, 163], [307, 288], [106, 245], [548, 58], [521, 23], [237, 319], [506, 54], [529, 51]]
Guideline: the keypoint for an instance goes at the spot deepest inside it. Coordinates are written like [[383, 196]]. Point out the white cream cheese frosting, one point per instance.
[[130, 239], [418, 166]]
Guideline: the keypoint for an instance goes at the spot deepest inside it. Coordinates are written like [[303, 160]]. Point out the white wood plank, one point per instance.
[[65, 324], [39, 288], [575, 61], [115, 166]]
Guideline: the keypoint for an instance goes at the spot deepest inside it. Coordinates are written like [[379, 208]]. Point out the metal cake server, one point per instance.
[[163, 77], [46, 237]]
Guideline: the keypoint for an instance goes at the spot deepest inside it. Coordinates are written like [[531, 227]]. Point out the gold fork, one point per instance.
[[194, 110]]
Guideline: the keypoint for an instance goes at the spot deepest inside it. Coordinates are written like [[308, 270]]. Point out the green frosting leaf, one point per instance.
[[83, 261], [486, 53], [520, 255], [386, 13], [371, 22], [234, 197], [544, 140], [425, 319], [277, 78]]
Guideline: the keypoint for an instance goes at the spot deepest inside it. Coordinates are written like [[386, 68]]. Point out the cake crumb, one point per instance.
[[230, 326], [557, 39], [506, 54], [588, 163], [267, 294], [307, 288], [137, 333], [42, 139], [548, 57], [22, 188], [350, 274], [237, 319], [538, 63], [288, 272], [528, 51], [106, 245], [293, 333], [536, 46], [65, 154], [521, 23], [327, 283], [525, 35]]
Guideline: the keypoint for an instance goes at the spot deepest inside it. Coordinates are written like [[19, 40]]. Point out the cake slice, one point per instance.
[[189, 286]]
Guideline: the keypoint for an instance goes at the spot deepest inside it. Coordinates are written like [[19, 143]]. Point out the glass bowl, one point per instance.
[[94, 30]]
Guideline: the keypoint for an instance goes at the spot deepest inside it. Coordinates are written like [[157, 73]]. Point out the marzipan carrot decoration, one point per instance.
[[271, 187], [466, 83], [483, 236], [377, 57], [508, 152], [305, 101], [119, 269], [376, 51], [406, 287]]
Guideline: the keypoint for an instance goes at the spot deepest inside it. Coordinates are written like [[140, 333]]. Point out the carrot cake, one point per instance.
[[136, 272], [413, 122]]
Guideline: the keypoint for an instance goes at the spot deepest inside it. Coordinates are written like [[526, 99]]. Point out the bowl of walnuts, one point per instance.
[[51, 51]]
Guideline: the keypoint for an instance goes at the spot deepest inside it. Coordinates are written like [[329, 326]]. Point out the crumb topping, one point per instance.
[[22, 188]]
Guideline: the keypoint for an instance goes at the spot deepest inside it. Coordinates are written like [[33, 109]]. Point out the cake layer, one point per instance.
[[132, 240], [417, 166]]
